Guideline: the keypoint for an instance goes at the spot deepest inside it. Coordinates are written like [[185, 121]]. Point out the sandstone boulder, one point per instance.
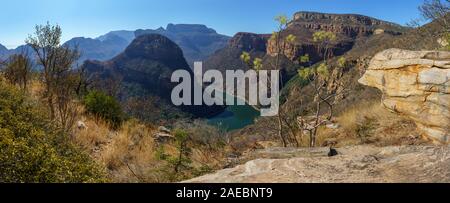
[[81, 125], [163, 137], [164, 129], [415, 84]]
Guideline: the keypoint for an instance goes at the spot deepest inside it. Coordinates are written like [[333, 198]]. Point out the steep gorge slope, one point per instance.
[[349, 29], [229, 57], [144, 69], [297, 99]]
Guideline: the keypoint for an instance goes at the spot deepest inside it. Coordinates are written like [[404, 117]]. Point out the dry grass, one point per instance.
[[130, 154], [125, 153], [36, 89], [371, 123], [96, 135]]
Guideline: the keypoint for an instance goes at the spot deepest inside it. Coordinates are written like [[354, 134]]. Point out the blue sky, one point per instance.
[[91, 18]]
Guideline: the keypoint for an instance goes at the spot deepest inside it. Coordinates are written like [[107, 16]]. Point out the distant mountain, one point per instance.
[[23, 49], [145, 68], [198, 42], [3, 48], [95, 49], [3, 51], [124, 34]]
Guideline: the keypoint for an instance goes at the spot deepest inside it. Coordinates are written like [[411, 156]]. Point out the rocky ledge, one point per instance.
[[357, 164], [415, 84]]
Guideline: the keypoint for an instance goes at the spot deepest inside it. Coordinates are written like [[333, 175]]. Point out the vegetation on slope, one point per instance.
[[33, 150]]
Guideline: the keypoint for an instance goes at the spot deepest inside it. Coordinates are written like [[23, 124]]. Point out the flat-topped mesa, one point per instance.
[[351, 25], [348, 18], [348, 28], [417, 85]]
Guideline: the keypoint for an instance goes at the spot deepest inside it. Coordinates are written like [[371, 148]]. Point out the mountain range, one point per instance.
[[130, 54], [196, 41]]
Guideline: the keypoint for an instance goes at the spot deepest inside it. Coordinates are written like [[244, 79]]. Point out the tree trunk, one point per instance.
[[280, 130], [314, 132]]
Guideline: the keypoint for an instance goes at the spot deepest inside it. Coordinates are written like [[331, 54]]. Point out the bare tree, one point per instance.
[[438, 11], [57, 74], [18, 70], [433, 11], [84, 81]]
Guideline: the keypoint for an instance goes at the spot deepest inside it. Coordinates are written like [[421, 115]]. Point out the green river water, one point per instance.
[[235, 117]]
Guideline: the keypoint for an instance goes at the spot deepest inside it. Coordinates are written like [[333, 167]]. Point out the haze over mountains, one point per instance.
[[197, 42]]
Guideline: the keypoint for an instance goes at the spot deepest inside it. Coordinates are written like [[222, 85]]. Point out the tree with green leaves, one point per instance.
[[182, 160], [105, 107], [318, 76], [33, 150], [179, 164], [255, 64], [281, 45]]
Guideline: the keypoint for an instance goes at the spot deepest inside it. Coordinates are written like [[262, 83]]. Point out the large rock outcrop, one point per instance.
[[417, 85], [356, 164]]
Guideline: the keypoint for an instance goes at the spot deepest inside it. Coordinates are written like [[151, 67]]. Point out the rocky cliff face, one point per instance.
[[229, 57], [348, 28], [350, 25], [417, 85], [249, 42]]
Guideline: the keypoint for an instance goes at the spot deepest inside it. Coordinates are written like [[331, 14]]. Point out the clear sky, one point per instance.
[[91, 18]]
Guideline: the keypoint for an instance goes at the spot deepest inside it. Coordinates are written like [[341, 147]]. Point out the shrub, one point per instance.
[[105, 107], [31, 150]]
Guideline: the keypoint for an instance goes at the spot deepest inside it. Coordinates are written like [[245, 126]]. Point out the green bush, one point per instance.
[[32, 151], [105, 107]]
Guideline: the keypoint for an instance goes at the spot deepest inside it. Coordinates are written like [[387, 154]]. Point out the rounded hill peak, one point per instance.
[[156, 47]]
